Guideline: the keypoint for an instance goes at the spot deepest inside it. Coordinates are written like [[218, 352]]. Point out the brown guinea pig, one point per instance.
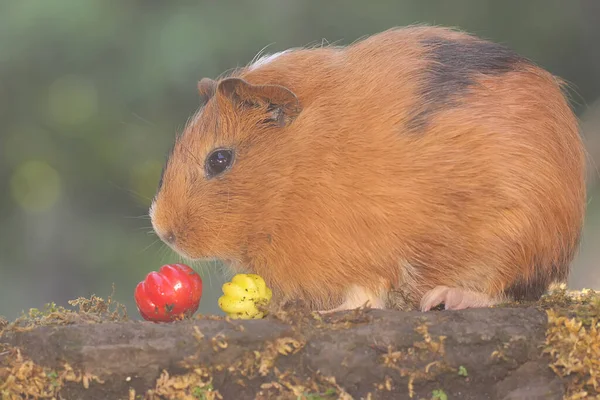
[[421, 159]]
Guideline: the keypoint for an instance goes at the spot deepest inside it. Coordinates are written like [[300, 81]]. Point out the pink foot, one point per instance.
[[358, 297], [343, 307], [455, 299]]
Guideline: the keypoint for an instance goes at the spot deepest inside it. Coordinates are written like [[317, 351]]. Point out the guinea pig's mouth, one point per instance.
[[174, 242], [179, 251], [228, 263], [191, 257]]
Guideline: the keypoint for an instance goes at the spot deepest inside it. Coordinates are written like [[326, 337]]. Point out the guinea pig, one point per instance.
[[421, 159]]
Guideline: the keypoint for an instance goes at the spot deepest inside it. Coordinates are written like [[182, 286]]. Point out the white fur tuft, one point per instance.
[[267, 58]]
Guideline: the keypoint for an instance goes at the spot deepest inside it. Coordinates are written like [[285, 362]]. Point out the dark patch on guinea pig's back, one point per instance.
[[453, 68]]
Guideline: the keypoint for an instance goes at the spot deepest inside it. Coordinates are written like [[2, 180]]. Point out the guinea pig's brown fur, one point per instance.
[[421, 159]]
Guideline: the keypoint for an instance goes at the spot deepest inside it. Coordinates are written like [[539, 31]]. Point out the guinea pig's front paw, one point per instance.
[[357, 297], [342, 307], [455, 299]]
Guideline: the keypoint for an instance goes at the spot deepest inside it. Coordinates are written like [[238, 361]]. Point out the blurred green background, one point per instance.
[[92, 93]]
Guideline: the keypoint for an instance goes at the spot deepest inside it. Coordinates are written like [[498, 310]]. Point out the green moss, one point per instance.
[[203, 392], [439, 394], [326, 395]]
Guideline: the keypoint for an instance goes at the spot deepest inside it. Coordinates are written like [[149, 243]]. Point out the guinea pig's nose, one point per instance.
[[169, 237]]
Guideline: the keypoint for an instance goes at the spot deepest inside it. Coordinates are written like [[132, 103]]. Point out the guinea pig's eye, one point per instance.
[[218, 162]]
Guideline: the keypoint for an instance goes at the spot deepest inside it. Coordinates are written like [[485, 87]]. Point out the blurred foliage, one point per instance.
[[92, 93]]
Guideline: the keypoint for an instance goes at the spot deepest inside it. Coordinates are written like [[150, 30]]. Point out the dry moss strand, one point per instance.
[[573, 340]]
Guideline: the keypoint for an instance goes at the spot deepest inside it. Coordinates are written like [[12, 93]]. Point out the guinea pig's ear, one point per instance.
[[280, 103], [206, 89]]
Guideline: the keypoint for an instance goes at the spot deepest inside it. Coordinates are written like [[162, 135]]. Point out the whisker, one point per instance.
[[228, 273], [143, 119], [213, 268], [150, 245], [209, 271], [164, 251], [130, 191], [192, 155], [139, 228], [138, 217]]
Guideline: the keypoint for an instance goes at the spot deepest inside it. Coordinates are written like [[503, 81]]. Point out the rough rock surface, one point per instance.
[[478, 354]]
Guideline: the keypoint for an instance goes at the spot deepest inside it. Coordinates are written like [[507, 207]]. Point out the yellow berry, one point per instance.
[[242, 294]]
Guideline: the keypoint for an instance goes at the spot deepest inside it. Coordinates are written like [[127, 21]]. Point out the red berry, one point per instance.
[[172, 293]]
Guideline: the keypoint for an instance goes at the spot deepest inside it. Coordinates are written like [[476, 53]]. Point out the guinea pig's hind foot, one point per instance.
[[455, 298]]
